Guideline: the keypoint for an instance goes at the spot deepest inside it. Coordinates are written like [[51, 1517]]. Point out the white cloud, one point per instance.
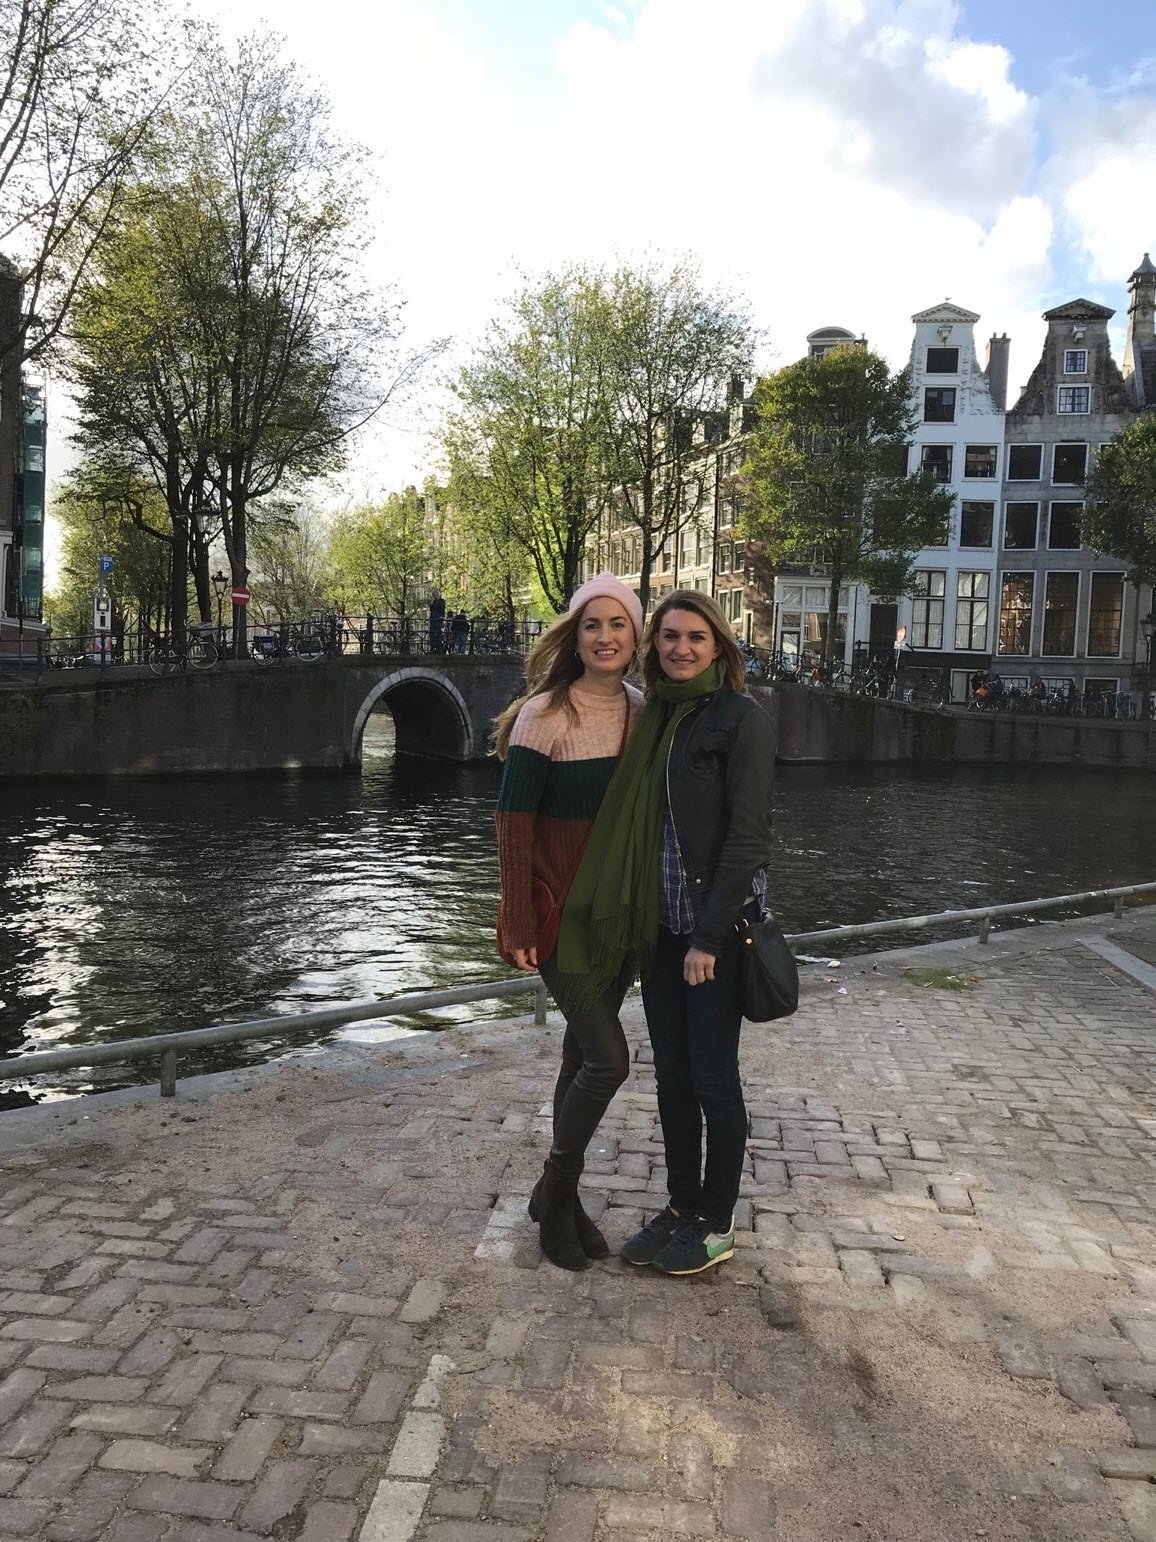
[[842, 161]]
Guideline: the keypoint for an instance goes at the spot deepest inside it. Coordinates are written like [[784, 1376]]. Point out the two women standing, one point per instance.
[[664, 850]]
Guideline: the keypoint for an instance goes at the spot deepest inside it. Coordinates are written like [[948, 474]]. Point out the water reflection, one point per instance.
[[146, 906]]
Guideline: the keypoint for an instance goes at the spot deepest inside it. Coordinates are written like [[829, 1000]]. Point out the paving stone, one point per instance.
[[417, 1447], [573, 1517], [278, 1495], [591, 1472], [748, 1508], [1138, 1505], [244, 1456], [457, 1503], [519, 1494], [101, 1389], [216, 1415], [149, 1456], [63, 1466], [182, 1496], [382, 1400], [18, 1388], [424, 1301], [34, 1430], [680, 1517], [20, 1517], [395, 1511]]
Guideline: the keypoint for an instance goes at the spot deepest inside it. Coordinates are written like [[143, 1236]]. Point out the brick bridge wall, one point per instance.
[[249, 717]]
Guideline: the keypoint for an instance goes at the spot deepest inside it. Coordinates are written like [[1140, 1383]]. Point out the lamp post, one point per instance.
[[1148, 627], [220, 584]]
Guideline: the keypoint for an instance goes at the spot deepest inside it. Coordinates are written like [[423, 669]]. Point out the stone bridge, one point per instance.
[[251, 717]]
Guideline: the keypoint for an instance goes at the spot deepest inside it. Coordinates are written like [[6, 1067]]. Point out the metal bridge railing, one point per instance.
[[167, 1046]]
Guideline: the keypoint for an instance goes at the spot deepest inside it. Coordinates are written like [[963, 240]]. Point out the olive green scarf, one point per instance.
[[610, 917]]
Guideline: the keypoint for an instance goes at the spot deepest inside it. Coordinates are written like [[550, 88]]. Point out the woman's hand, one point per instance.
[[526, 959], [697, 966]]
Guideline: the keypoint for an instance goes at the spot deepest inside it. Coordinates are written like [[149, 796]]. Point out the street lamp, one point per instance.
[[1148, 627], [220, 584]]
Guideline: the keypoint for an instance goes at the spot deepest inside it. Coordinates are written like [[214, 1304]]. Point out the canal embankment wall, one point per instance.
[[829, 727], [252, 719]]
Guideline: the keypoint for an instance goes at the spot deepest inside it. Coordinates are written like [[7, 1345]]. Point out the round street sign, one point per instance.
[[241, 595]]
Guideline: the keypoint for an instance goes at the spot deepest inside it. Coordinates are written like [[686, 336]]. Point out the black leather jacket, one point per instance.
[[719, 775]]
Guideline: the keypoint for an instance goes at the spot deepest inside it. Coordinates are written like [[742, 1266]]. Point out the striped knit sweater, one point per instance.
[[556, 773]]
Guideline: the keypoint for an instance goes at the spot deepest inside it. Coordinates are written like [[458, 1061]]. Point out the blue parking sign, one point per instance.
[[105, 564]]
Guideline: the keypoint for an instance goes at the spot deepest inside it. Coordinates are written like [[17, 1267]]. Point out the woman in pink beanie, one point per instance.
[[561, 742]]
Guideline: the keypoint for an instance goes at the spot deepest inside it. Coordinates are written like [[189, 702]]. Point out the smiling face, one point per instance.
[[605, 638], [686, 644]]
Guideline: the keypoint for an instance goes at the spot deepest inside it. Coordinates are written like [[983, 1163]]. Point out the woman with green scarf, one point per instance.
[[675, 859]]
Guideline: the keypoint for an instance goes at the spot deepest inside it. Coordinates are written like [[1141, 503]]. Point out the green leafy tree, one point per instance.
[[225, 338], [379, 555], [527, 444], [288, 566], [80, 83], [1119, 517], [825, 480], [101, 515], [670, 348]]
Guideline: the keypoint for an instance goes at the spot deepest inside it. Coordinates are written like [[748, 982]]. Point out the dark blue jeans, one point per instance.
[[694, 1032]]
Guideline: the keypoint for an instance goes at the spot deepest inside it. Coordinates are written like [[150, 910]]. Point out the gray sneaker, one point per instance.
[[646, 1244]]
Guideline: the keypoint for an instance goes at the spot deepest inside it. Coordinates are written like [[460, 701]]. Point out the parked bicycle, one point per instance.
[[200, 650]]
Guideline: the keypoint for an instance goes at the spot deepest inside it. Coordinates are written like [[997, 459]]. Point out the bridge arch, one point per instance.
[[430, 715]]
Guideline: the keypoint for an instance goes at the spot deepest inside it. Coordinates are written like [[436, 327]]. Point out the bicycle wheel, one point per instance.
[[309, 648], [161, 658], [203, 653]]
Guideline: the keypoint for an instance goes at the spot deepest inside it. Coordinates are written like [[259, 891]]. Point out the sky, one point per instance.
[[841, 162]]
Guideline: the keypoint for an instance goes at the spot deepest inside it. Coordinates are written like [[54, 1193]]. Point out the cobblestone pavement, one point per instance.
[[308, 1304]]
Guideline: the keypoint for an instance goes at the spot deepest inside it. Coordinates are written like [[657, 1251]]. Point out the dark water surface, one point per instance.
[[136, 907]]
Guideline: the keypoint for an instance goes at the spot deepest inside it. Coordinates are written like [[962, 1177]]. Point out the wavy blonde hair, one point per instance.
[[551, 669], [712, 613]]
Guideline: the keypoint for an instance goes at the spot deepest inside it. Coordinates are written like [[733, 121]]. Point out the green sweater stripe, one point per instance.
[[524, 778], [575, 788]]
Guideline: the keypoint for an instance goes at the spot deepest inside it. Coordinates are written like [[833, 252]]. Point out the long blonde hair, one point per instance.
[[712, 613], [551, 668]]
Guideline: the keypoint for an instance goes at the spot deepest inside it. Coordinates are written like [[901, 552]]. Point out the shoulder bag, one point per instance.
[[768, 973]]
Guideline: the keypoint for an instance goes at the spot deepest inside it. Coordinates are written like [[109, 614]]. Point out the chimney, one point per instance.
[[998, 350], [1141, 324], [735, 390]]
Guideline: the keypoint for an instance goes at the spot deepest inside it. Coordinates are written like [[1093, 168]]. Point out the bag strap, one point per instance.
[[625, 723]]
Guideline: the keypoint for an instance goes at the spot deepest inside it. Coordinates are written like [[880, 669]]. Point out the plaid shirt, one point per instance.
[[676, 911]]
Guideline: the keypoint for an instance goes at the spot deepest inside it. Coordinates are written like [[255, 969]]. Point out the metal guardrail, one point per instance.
[[166, 1046], [982, 913]]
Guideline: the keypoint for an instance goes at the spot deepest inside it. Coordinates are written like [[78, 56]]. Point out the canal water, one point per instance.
[[136, 907]]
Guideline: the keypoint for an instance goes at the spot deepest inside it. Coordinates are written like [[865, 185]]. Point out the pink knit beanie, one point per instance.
[[606, 586]]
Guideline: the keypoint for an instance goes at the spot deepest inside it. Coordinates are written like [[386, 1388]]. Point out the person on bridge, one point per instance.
[[437, 622], [561, 742], [676, 859]]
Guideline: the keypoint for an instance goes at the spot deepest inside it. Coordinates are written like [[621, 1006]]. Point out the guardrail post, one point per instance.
[[540, 1005], [1118, 908], [169, 1074], [984, 928]]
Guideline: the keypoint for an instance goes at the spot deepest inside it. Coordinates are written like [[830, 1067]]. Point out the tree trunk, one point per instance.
[[644, 572], [830, 642], [179, 575]]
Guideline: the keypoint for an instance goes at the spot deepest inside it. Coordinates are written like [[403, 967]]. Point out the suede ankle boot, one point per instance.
[[552, 1205], [590, 1239]]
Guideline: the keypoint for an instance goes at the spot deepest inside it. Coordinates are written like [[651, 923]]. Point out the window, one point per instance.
[[724, 557], [791, 594], [1076, 399], [665, 557], [943, 361], [740, 557], [972, 593], [1019, 526], [939, 404], [1075, 361], [936, 458], [736, 604], [975, 523], [1069, 462], [1106, 615], [700, 548], [34, 458], [1015, 613], [1023, 462], [1064, 527], [927, 609], [979, 460], [1060, 599], [685, 548]]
